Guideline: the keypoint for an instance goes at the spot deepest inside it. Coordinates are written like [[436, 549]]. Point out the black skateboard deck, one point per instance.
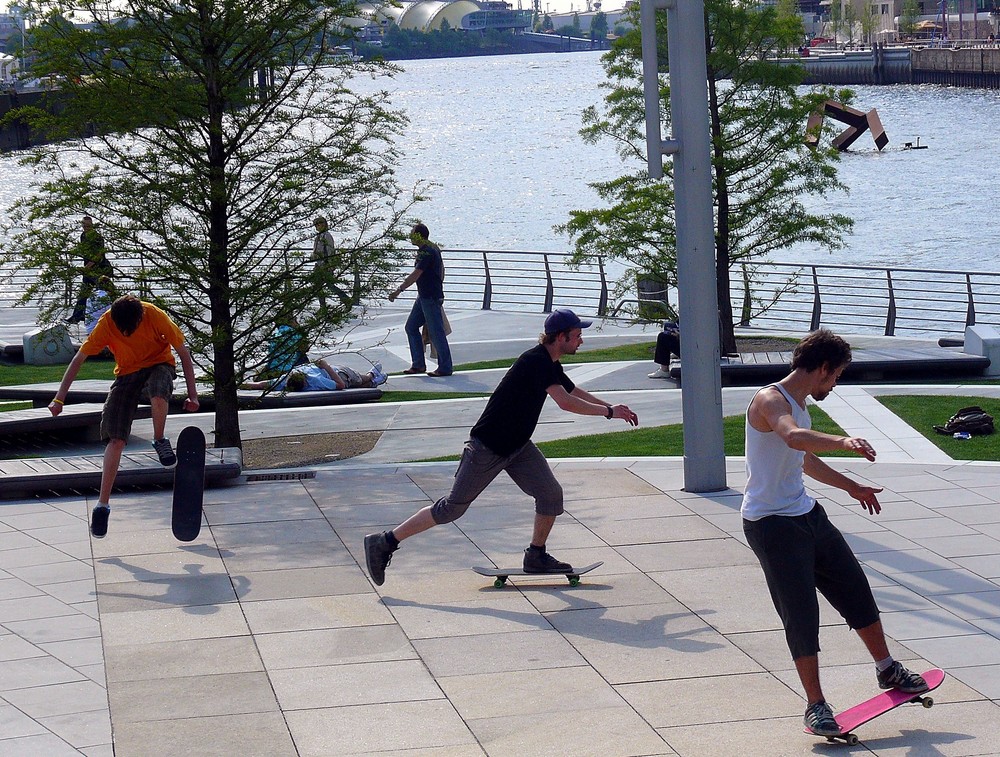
[[502, 574], [189, 484]]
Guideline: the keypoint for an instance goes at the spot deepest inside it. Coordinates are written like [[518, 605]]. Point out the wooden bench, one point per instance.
[[85, 416]]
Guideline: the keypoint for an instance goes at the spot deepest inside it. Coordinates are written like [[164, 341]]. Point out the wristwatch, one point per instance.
[[611, 413]]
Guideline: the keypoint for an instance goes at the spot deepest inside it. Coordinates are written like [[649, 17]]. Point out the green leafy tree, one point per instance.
[[547, 24], [789, 22], [869, 21], [761, 166], [850, 21], [222, 130], [837, 18], [577, 29], [909, 17], [599, 26]]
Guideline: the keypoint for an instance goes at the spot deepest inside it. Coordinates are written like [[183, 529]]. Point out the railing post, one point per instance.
[[547, 307], [602, 304], [970, 313], [890, 316], [817, 303], [487, 284]]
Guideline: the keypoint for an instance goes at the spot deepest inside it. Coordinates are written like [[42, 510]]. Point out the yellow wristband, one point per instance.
[[56, 399]]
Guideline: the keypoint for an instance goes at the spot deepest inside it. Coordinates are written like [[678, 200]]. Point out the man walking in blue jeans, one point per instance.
[[428, 273], [798, 548], [501, 441]]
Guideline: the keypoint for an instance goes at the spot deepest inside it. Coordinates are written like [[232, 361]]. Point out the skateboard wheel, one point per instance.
[[574, 580], [927, 702], [851, 739], [499, 583]]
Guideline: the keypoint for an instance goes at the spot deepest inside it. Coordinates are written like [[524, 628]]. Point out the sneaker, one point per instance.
[[378, 555], [819, 719], [660, 373], [378, 377], [540, 561], [99, 521], [899, 678], [165, 452]]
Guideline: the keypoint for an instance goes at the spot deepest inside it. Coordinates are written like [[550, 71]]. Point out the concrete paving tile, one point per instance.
[[13, 647], [501, 613], [275, 615], [657, 530], [693, 701], [48, 518], [961, 546], [982, 604], [917, 484], [177, 659], [350, 487], [254, 510], [972, 515], [173, 624], [651, 558], [883, 540], [606, 732], [839, 646], [506, 546], [73, 593], [81, 729], [31, 746], [281, 556], [488, 653], [731, 598], [924, 624], [15, 588], [622, 482], [72, 626], [958, 651], [905, 562], [67, 569], [14, 724], [261, 734], [441, 548], [333, 646], [32, 607], [35, 671], [59, 699], [126, 544], [526, 692], [990, 625], [597, 589], [14, 540], [26, 557], [273, 533], [379, 516], [180, 591], [987, 566], [949, 730], [924, 528], [416, 726], [77, 652], [931, 583], [625, 508], [903, 510], [191, 697], [896, 598], [195, 561], [442, 586], [62, 536], [984, 679], [774, 737], [353, 684], [955, 496], [628, 644], [300, 582]]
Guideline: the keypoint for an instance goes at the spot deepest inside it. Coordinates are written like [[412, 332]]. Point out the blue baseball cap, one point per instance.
[[564, 320]]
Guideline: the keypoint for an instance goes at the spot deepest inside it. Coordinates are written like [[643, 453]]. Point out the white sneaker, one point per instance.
[[378, 378], [660, 373]]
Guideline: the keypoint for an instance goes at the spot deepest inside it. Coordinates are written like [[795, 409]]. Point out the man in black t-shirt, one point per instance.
[[501, 441], [428, 309]]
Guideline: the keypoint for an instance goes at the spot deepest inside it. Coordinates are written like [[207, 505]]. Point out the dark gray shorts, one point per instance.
[[527, 467], [803, 554], [126, 393]]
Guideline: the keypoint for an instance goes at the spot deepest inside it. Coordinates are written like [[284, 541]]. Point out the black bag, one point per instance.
[[972, 420]]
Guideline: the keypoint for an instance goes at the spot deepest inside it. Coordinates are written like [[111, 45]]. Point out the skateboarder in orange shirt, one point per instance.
[[798, 548]]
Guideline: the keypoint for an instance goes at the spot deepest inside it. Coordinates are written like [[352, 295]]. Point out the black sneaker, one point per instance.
[[540, 561], [378, 555], [819, 719], [165, 452], [99, 521], [899, 678]]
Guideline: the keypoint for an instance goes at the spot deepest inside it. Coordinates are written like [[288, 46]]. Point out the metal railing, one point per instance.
[[773, 296]]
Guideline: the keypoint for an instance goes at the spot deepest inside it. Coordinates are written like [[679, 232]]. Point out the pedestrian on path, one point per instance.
[[428, 274], [798, 548], [140, 336], [501, 441], [96, 267]]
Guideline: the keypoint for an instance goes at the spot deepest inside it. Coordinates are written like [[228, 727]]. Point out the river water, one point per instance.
[[499, 138]]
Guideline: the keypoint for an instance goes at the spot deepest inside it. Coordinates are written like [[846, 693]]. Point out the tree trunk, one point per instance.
[[727, 335]]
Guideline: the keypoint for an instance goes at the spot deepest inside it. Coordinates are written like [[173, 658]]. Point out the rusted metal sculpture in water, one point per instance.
[[857, 124]]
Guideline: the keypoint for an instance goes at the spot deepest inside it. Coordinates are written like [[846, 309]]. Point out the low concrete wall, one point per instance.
[[965, 67]]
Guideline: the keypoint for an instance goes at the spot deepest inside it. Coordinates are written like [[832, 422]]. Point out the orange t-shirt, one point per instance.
[[147, 346]]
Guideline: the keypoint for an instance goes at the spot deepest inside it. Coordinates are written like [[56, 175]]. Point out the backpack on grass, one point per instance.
[[972, 420]]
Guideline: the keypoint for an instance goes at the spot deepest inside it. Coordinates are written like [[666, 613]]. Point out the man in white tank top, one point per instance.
[[798, 548]]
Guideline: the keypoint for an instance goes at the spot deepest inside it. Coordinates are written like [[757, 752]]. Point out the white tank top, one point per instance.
[[774, 470]]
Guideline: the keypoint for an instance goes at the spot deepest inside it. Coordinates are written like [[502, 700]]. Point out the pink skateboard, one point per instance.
[[880, 704]]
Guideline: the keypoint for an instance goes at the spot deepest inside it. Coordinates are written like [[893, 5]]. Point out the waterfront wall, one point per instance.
[[964, 67], [16, 136], [955, 67]]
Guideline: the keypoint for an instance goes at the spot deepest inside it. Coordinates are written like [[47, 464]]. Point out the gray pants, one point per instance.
[[527, 467]]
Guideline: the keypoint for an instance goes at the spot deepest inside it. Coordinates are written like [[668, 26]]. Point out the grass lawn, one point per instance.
[[7, 406], [12, 375], [392, 395], [631, 352], [661, 440], [923, 411]]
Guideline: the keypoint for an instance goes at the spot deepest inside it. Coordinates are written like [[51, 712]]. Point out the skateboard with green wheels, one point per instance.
[[502, 574]]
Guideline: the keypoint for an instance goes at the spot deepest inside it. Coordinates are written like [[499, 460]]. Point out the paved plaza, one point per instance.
[[265, 636]]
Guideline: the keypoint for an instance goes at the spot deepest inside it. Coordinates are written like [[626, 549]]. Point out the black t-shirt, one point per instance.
[[431, 281], [512, 413]]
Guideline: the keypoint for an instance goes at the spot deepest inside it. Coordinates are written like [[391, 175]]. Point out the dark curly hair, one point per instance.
[[821, 348], [126, 312]]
